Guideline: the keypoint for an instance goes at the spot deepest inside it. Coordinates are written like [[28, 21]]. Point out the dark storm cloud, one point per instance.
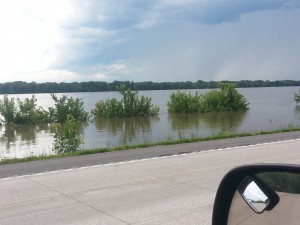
[[103, 33]]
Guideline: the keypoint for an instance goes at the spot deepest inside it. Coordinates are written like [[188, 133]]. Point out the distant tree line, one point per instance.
[[20, 87]]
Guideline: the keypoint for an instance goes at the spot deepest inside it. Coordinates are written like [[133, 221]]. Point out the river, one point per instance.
[[270, 108]]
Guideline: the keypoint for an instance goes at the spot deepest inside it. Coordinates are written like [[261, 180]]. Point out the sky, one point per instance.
[[149, 40]]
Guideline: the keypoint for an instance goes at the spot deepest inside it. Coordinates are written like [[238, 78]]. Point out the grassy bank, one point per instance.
[[170, 141]]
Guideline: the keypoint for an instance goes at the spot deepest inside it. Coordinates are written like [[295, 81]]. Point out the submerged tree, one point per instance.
[[27, 112], [65, 136], [297, 97], [130, 105], [182, 102], [65, 106], [8, 109], [227, 98], [22, 111], [30, 113]]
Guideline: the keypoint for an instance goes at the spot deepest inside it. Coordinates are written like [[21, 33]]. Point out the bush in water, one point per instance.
[[65, 136], [184, 103], [297, 97], [225, 99], [130, 105], [65, 106], [22, 112]]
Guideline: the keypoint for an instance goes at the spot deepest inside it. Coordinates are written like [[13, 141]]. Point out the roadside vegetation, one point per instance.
[[227, 98], [169, 141], [65, 136], [129, 106]]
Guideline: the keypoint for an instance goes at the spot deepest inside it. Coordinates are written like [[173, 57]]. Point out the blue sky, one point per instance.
[[149, 40]]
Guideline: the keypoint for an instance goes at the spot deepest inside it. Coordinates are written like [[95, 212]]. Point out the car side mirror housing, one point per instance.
[[258, 194]]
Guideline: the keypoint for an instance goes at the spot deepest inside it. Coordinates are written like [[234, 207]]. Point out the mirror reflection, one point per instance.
[[253, 201], [281, 181], [253, 195]]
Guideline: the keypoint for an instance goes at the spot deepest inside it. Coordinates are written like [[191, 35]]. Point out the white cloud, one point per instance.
[[147, 23], [180, 3], [99, 76], [57, 75], [88, 33], [29, 32], [156, 39], [99, 31], [118, 67]]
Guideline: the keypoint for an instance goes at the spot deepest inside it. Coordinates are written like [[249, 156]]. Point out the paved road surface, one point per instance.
[[165, 190]]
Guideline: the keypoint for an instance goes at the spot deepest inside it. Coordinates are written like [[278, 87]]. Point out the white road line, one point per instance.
[[153, 158]]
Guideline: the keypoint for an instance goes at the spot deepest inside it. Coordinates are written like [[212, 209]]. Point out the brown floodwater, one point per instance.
[[269, 109]]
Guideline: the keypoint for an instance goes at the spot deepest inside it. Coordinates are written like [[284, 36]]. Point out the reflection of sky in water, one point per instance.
[[19, 141], [270, 108]]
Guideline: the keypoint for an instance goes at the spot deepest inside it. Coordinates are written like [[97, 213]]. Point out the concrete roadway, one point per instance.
[[177, 189]]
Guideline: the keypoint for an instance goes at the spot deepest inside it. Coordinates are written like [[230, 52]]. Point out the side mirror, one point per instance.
[[259, 194], [254, 196]]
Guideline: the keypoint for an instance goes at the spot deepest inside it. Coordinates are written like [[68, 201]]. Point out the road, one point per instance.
[[176, 189]]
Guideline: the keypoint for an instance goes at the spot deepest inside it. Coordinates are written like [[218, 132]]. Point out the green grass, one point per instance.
[[169, 141]]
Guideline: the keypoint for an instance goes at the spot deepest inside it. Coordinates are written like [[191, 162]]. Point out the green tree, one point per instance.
[[297, 97], [65, 106], [130, 105], [22, 112], [30, 113], [8, 109], [19, 87], [182, 102], [225, 99], [231, 99], [211, 101], [65, 136]]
